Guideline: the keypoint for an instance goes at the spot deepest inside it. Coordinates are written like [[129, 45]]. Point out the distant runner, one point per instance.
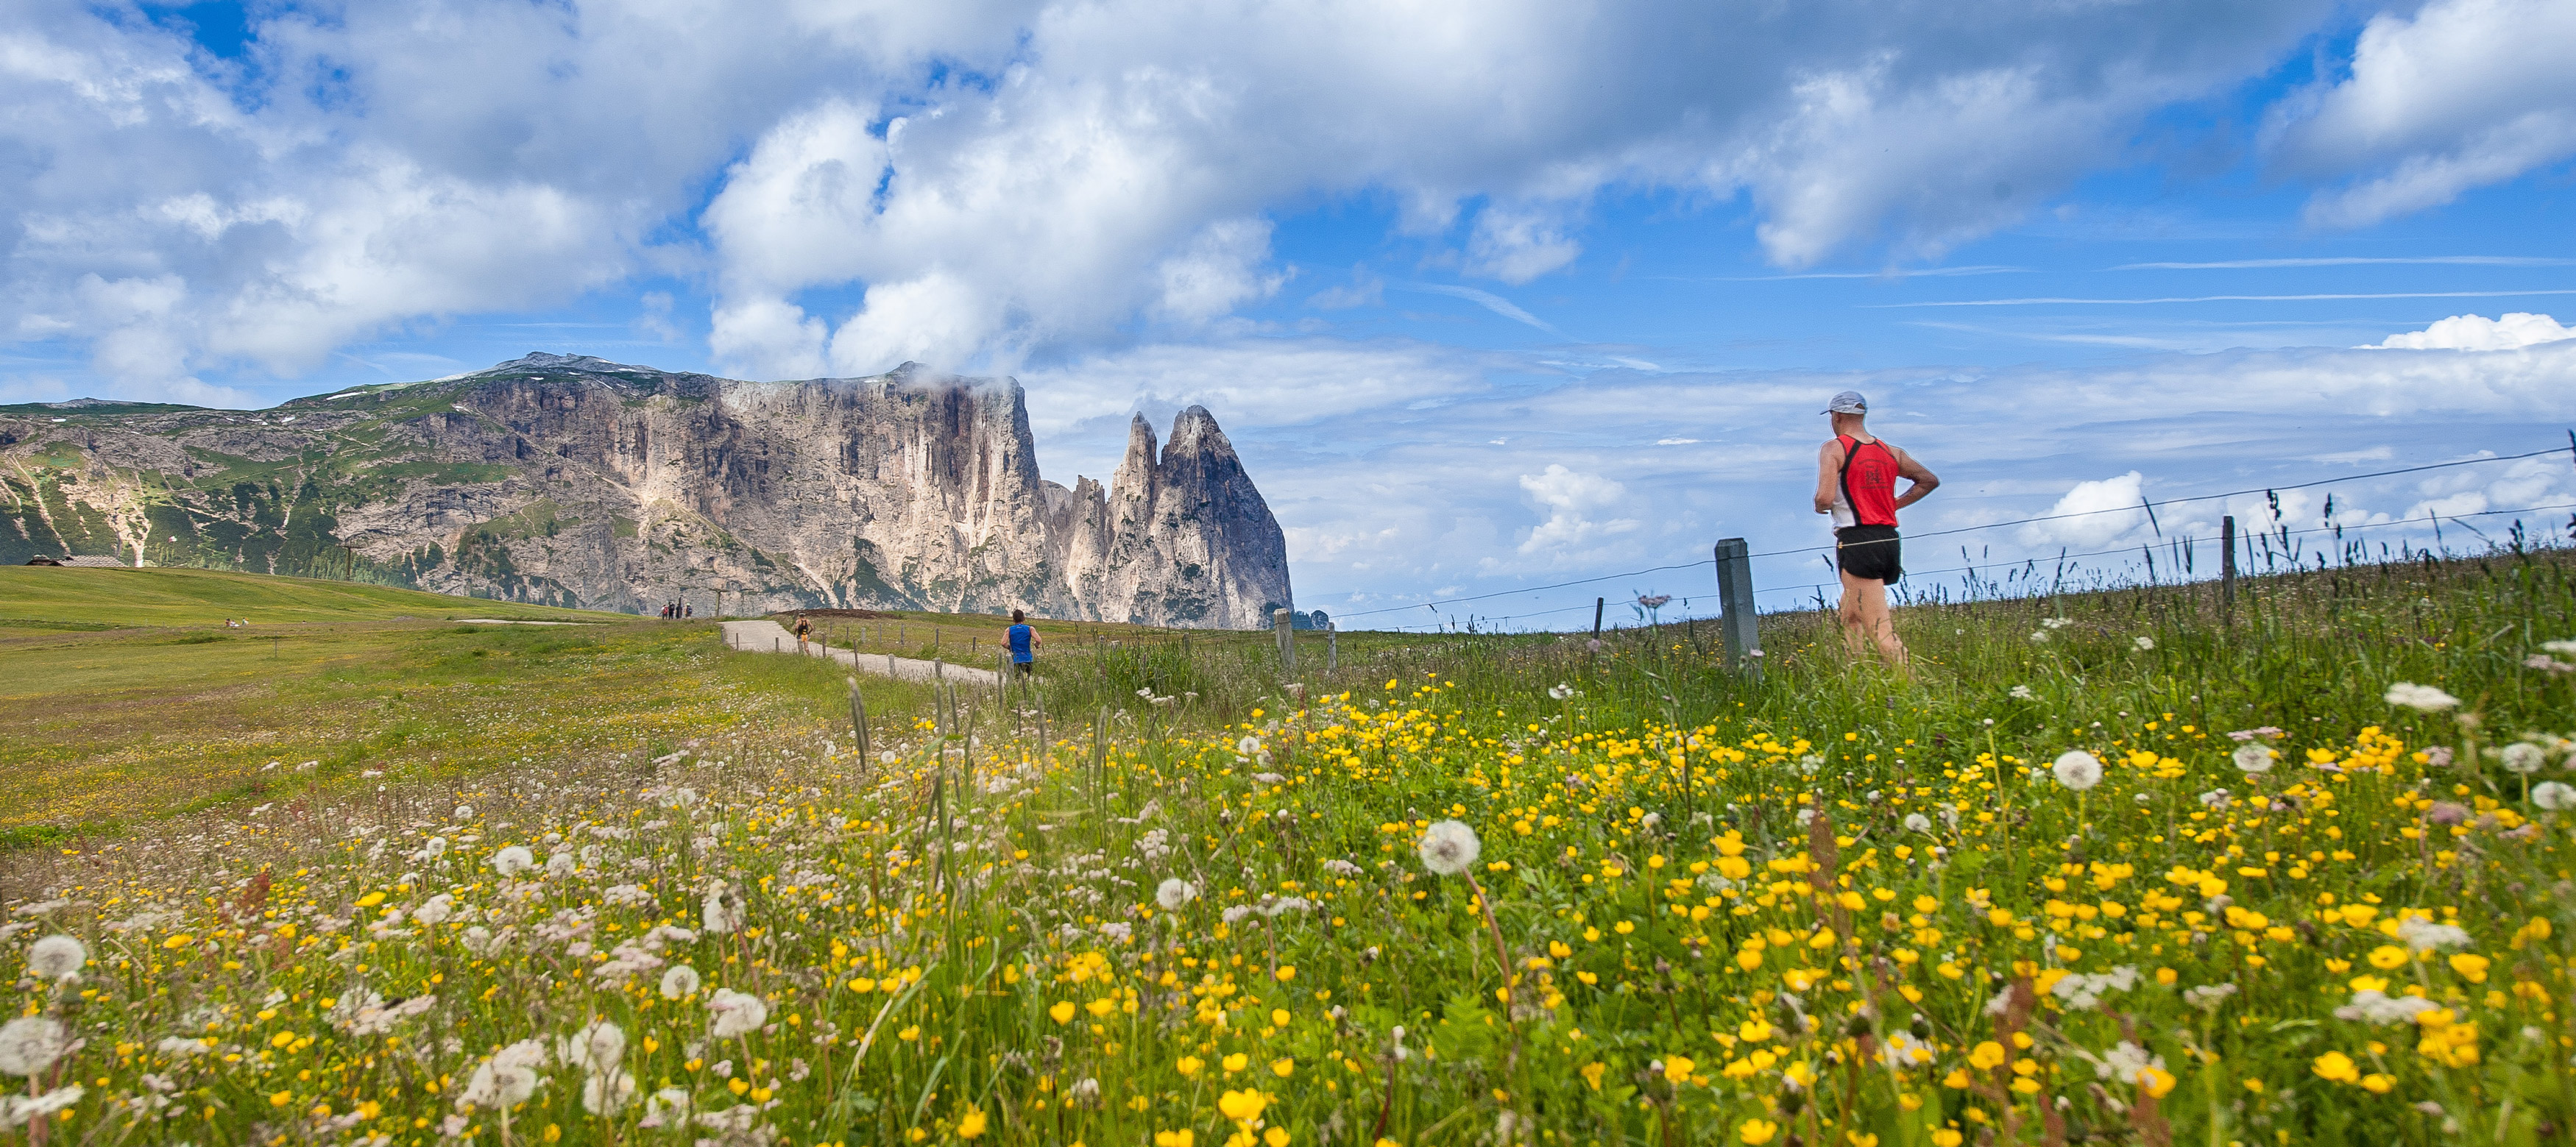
[[1024, 642], [804, 630], [1856, 477]]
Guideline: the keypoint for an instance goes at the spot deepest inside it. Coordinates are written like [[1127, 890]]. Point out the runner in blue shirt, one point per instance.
[[1024, 642]]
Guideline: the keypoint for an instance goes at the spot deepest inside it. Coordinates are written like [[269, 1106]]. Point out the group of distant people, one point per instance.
[[677, 610]]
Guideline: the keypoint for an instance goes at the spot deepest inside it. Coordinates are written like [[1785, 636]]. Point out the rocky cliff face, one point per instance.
[[573, 481]]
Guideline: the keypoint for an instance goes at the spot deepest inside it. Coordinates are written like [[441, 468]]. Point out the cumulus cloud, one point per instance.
[[2477, 332], [2092, 514], [1571, 499], [990, 183], [2461, 94]]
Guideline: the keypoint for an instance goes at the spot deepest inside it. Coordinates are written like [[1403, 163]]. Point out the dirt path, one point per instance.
[[770, 637]]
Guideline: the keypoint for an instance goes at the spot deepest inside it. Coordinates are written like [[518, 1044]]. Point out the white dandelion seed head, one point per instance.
[[465, 812], [57, 957], [1560, 691], [30, 1044], [2252, 758], [599, 1046], [513, 860], [561, 865], [1450, 847], [2077, 769], [736, 1013], [435, 910], [2522, 758], [1174, 892], [2208, 997], [679, 981], [2424, 697], [2554, 796], [723, 911], [605, 1094], [508, 1079], [1917, 822]]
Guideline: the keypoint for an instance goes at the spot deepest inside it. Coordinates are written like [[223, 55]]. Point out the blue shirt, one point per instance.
[[1021, 636]]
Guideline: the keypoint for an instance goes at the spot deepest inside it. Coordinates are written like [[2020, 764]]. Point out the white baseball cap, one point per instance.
[[1848, 402]]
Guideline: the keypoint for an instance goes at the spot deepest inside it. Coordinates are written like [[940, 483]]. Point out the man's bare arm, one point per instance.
[[1829, 465], [1925, 481]]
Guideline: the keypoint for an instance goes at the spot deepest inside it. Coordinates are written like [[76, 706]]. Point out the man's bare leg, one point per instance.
[[1858, 593], [1866, 621]]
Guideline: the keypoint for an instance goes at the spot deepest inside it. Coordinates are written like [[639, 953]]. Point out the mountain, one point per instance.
[[568, 480]]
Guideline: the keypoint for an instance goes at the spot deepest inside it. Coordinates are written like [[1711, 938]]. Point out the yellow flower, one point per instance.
[[1946, 1137], [1753, 1030], [1062, 1012], [2388, 957], [181, 940], [2470, 967], [1591, 1073], [971, 1125], [280, 1099], [1275, 1137], [1987, 1056], [863, 984], [1181, 1138], [2337, 1066], [1283, 1067], [1287, 972], [1677, 1068], [1237, 1062], [1189, 1065], [1242, 1106], [1279, 1017], [2378, 1084], [1756, 1132]]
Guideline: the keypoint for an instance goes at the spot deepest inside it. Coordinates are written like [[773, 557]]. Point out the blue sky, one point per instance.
[[1489, 296]]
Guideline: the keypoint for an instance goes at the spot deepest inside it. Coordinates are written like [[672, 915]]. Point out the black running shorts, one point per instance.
[[1868, 553]]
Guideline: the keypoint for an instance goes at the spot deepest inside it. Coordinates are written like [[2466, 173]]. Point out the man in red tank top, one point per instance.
[[1856, 477]]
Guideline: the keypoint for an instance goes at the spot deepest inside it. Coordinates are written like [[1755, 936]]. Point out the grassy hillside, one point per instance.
[[2124, 867], [72, 597]]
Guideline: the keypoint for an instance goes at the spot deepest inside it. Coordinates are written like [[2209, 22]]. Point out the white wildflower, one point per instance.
[[599, 1046], [2081, 990], [1902, 1049], [667, 1105], [561, 864], [2566, 647], [2424, 697], [2424, 935], [30, 1044], [2057, 622], [1449, 848], [57, 957], [737, 1013], [2375, 1007], [508, 1079], [679, 981], [2553, 796], [1560, 691], [607, 1094], [626, 895], [179, 1047], [1174, 892], [2023, 693], [2216, 799], [17, 1109], [1235, 913], [1340, 867], [2522, 758], [2127, 1063], [723, 910], [2252, 758], [2145, 643], [434, 910], [513, 860], [465, 812], [2039, 637], [2077, 769]]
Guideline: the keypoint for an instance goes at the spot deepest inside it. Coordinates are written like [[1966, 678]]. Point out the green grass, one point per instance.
[[188, 597]]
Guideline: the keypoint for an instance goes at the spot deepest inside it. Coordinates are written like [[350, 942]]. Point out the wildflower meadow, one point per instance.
[[2115, 867]]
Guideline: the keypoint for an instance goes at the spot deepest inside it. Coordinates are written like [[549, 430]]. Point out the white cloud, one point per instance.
[[2477, 332], [2092, 514], [2462, 94], [1018, 180], [1570, 498]]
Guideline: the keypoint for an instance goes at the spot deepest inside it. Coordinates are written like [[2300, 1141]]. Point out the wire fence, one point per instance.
[[2272, 546]]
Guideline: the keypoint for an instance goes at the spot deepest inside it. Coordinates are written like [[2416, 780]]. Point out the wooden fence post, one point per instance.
[[1280, 625], [1739, 622], [2227, 569], [1332, 646]]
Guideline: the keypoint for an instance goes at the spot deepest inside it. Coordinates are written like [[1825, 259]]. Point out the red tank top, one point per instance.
[[1869, 481]]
